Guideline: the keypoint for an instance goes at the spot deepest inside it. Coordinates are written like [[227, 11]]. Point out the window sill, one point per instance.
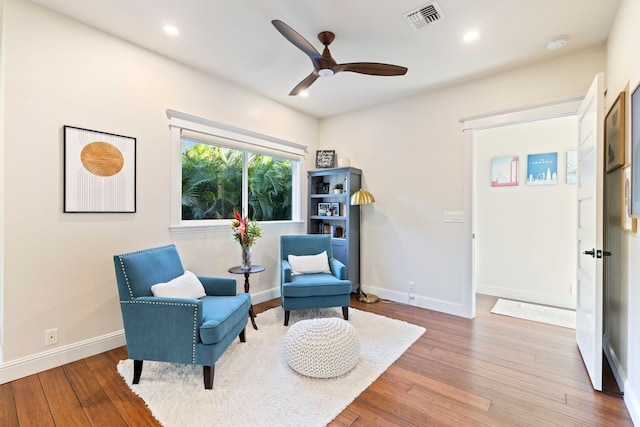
[[223, 225]]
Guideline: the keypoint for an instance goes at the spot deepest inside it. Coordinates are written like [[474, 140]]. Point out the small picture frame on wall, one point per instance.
[[504, 171], [614, 125], [542, 169], [635, 152], [99, 172], [628, 223], [572, 167], [325, 159]]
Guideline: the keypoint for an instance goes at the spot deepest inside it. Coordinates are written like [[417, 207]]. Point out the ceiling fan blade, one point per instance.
[[308, 81], [371, 68], [296, 39]]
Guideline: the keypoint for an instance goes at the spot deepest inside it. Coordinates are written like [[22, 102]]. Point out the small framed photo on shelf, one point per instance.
[[322, 188], [335, 209], [324, 209], [325, 159]]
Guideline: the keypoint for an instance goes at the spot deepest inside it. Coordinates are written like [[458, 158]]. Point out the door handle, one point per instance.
[[592, 252], [601, 253]]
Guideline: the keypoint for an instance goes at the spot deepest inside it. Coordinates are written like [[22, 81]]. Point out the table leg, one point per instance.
[[252, 314]]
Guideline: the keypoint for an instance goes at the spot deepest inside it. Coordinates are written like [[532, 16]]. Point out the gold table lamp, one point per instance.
[[362, 197]]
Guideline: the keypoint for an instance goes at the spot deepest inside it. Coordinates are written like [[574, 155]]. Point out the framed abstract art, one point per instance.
[[99, 171]]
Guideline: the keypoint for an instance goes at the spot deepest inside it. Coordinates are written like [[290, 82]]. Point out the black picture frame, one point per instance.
[[635, 152], [99, 172], [325, 159], [324, 209], [322, 188]]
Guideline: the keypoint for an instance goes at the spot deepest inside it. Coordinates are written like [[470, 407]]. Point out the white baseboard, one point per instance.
[[454, 308], [527, 296], [632, 402], [266, 295], [20, 368], [614, 362]]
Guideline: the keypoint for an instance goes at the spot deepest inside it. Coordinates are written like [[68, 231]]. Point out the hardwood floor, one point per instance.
[[491, 371]]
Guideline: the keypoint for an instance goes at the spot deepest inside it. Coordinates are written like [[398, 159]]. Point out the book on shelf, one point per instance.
[[335, 231]]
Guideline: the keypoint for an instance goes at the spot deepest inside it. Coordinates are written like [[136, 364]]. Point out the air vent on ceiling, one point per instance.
[[424, 16]]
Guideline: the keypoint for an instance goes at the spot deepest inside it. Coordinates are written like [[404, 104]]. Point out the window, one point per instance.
[[213, 184], [217, 169]]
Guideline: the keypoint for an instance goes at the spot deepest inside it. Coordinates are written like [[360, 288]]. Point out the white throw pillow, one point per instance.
[[307, 264], [185, 286]]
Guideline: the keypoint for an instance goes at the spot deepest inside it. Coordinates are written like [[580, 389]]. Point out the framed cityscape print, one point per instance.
[[504, 171], [614, 135], [542, 169], [99, 171]]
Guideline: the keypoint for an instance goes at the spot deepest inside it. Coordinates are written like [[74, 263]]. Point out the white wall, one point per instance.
[[2, 159], [525, 236], [623, 73], [414, 160], [58, 267]]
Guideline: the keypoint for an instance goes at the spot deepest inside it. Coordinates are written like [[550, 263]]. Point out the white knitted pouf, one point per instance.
[[322, 348]]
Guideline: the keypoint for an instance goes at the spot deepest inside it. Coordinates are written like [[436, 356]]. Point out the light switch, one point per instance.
[[453, 216]]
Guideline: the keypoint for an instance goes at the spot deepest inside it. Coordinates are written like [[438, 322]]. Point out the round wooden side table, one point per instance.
[[254, 269]]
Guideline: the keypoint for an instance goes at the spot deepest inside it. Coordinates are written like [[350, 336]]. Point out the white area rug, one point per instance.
[[253, 384], [539, 313]]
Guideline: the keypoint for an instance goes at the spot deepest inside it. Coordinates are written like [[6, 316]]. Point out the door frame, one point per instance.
[[554, 108]]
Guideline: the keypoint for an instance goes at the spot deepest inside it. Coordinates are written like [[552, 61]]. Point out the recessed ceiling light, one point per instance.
[[304, 94], [557, 42], [171, 30], [471, 36]]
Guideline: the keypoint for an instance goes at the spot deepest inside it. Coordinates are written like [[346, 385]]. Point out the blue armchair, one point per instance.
[[180, 330], [315, 290]]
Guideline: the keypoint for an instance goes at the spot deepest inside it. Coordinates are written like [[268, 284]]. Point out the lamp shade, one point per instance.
[[362, 197]]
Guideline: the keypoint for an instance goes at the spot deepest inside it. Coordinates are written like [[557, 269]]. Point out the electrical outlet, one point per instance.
[[51, 336], [412, 291]]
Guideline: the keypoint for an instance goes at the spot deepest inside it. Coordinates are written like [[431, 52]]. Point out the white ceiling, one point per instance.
[[235, 40]]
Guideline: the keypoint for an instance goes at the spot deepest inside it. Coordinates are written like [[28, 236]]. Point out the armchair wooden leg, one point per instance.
[[242, 336], [345, 313], [137, 371], [286, 318], [208, 372]]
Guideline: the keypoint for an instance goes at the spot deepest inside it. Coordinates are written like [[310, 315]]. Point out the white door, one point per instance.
[[590, 217]]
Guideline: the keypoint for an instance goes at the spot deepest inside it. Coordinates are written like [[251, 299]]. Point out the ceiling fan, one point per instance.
[[324, 65]]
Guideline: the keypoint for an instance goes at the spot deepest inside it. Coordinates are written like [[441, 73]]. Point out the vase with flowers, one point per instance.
[[245, 232]]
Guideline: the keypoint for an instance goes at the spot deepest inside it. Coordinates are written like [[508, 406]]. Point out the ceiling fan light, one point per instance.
[[325, 72]]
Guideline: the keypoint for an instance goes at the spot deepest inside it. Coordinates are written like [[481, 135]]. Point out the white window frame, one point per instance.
[[237, 138]]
